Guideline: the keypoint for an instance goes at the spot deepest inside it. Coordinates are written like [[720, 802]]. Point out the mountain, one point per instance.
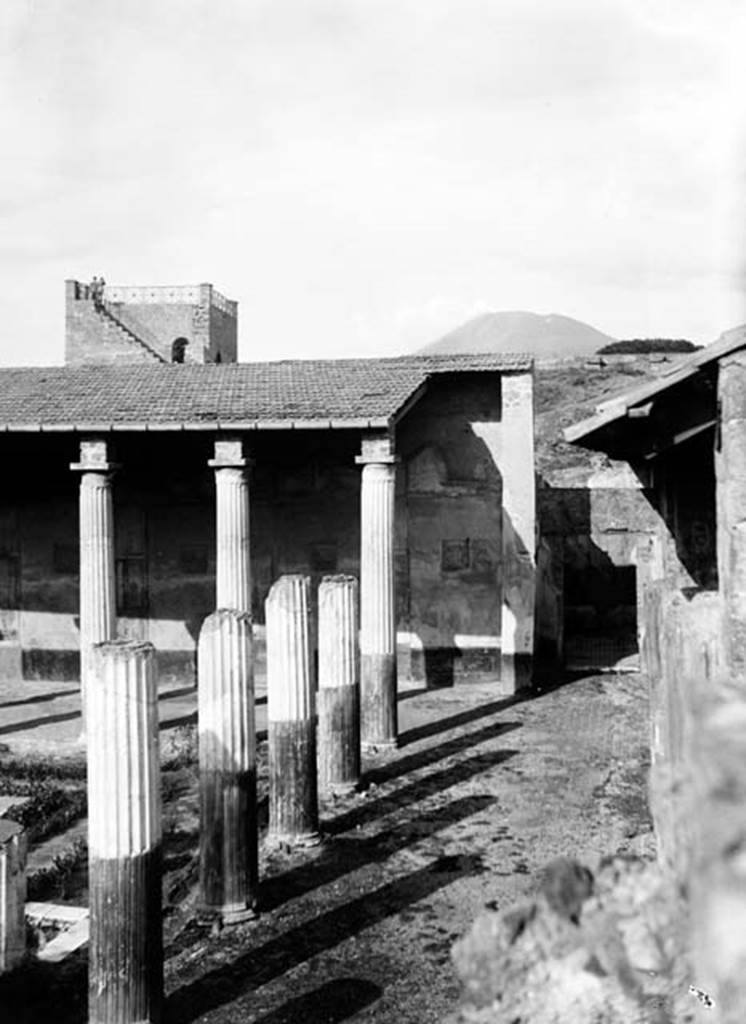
[[551, 335]]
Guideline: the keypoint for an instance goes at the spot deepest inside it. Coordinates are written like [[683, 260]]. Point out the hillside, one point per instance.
[[567, 393], [541, 336]]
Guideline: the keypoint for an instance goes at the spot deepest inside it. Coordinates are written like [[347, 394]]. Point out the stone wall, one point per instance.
[[698, 791], [645, 942], [550, 610], [604, 525], [157, 317], [687, 632], [717, 873], [453, 541], [592, 524], [731, 498], [90, 338], [161, 325], [223, 336]]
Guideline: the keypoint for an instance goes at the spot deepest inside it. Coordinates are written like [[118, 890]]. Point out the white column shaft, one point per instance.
[[338, 630], [227, 741], [377, 612], [124, 799], [233, 545], [290, 684], [97, 581]]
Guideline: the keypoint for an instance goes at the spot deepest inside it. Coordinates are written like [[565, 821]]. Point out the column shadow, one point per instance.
[[173, 723], [38, 991], [32, 723], [411, 762], [257, 966], [184, 691], [330, 1003], [421, 732], [347, 854], [431, 785], [39, 698]]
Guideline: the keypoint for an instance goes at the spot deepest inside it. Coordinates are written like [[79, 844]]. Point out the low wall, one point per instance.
[[716, 878], [683, 653], [698, 790]]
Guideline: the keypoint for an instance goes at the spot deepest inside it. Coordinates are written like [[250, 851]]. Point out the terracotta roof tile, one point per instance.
[[283, 392]]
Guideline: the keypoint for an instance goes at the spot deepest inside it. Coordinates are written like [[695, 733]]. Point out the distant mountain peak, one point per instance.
[[540, 334]]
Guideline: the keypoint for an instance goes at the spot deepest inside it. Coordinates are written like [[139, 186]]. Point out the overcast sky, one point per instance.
[[364, 175]]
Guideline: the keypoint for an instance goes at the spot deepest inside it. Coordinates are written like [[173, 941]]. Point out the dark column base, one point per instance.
[[228, 845], [293, 799], [339, 738], [125, 959], [378, 725], [516, 672]]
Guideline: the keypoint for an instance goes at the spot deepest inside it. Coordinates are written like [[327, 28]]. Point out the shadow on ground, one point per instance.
[[328, 1004], [258, 966]]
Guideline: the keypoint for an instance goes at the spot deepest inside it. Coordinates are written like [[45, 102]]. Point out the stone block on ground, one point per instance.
[[584, 950]]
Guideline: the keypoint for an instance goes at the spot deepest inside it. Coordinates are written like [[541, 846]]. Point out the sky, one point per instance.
[[365, 175]]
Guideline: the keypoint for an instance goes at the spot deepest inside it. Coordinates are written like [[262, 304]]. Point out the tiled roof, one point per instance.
[[342, 392]]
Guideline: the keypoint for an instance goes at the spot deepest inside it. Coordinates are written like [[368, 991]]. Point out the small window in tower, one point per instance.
[[178, 350]]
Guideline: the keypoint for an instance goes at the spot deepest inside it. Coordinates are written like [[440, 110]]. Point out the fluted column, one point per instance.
[[124, 837], [227, 767], [12, 894], [97, 580], [291, 714], [378, 721], [339, 690], [233, 572]]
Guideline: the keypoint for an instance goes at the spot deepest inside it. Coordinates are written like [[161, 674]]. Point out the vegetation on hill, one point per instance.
[[568, 392], [641, 346]]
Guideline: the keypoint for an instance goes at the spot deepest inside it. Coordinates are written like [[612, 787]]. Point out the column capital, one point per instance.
[[377, 448], [94, 457], [229, 454]]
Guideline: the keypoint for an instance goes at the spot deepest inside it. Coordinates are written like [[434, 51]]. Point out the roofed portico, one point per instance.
[[265, 456]]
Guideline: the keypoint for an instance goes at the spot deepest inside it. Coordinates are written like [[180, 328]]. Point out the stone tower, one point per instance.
[[185, 324]]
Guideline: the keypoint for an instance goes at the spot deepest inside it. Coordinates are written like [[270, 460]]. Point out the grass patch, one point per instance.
[[49, 809], [65, 877], [18, 774]]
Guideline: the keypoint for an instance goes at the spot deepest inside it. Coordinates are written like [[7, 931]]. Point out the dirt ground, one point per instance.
[[480, 795]]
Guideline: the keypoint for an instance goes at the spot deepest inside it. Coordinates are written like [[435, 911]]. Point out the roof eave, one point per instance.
[[137, 427], [618, 408]]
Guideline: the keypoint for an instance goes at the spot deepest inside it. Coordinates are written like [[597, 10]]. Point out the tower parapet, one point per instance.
[[164, 323]]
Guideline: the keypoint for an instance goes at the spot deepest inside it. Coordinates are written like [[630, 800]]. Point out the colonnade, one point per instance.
[[233, 565], [315, 735]]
